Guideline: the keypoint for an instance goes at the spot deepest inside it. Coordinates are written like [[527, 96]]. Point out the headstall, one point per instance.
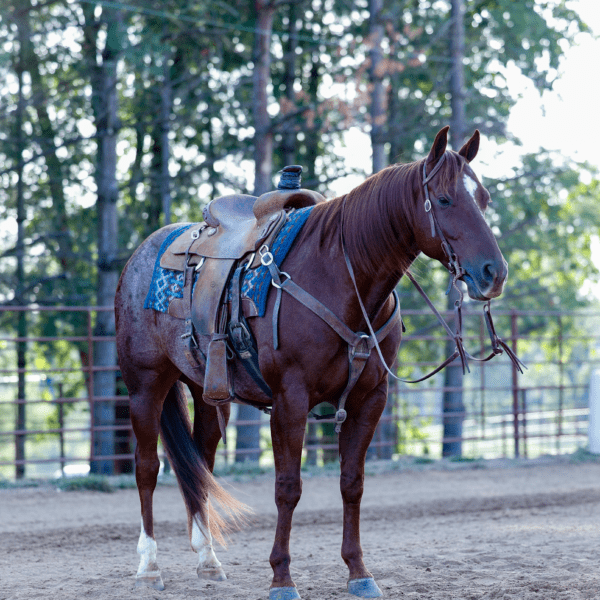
[[456, 272], [360, 344]]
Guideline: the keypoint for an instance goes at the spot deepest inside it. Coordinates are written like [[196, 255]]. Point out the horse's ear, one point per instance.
[[469, 150], [439, 145]]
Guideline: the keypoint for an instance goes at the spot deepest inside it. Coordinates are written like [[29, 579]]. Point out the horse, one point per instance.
[[433, 206]]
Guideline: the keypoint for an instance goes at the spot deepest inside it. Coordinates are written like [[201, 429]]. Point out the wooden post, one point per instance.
[[515, 385]]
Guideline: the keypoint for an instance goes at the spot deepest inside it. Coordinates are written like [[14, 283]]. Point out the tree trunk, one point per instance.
[[378, 116], [105, 104], [288, 142], [311, 139], [47, 137], [453, 407], [20, 421], [263, 134], [248, 436], [166, 104], [385, 431]]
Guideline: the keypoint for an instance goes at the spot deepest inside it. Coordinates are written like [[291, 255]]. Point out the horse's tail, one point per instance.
[[196, 482]]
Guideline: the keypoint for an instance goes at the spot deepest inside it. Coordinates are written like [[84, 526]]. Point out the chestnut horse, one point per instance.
[[386, 224]]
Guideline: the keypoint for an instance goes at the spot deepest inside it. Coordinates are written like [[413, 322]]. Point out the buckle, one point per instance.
[[340, 415], [356, 353], [276, 284], [266, 258]]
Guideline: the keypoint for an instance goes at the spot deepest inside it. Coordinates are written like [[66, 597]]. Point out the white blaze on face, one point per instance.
[[146, 548], [470, 185]]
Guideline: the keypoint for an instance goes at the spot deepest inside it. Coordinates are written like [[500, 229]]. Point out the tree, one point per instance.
[[105, 110]]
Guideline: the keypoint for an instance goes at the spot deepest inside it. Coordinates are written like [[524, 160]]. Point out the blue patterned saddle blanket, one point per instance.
[[167, 284]]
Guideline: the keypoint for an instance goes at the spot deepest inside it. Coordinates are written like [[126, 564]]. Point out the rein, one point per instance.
[[456, 272], [360, 344]]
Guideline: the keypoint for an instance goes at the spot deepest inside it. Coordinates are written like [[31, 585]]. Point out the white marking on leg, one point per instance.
[[146, 548], [470, 185], [202, 544]]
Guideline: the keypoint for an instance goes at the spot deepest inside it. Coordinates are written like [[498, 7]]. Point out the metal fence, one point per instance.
[[48, 396]]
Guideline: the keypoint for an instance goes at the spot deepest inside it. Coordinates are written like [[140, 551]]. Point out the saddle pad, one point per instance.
[[166, 284], [257, 282]]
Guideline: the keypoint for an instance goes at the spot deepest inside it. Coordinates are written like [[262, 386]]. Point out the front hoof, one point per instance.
[[364, 587], [150, 581], [211, 573], [284, 593]]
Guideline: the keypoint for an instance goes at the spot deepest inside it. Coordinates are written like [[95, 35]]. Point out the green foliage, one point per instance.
[[93, 483], [200, 56], [411, 428]]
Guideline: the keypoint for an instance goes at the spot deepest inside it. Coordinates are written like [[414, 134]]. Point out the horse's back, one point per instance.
[[137, 275], [136, 327]]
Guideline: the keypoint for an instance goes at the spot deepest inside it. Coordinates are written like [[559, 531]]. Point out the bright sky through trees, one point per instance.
[[565, 120]]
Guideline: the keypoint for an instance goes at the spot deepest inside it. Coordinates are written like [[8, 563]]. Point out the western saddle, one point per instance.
[[212, 254]]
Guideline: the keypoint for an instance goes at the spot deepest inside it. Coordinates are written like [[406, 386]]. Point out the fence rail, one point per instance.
[[51, 405]]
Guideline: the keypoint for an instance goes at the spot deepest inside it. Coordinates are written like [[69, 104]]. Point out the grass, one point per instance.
[[423, 460], [5, 484], [584, 455], [94, 483]]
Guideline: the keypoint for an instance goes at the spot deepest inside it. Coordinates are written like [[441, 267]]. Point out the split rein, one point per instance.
[[456, 272], [360, 344]]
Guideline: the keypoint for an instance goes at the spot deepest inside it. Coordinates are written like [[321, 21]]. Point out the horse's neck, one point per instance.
[[324, 272], [375, 282]]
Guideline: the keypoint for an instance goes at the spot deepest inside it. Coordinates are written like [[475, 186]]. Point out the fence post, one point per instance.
[[594, 418], [21, 419], [515, 383]]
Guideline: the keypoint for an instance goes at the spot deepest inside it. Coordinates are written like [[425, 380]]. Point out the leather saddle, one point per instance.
[[235, 227]]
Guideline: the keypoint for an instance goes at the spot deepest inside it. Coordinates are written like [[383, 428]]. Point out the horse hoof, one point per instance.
[[212, 573], [364, 588], [153, 581], [284, 593]]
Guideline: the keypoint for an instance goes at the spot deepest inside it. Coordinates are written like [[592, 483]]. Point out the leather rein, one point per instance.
[[456, 272], [360, 344]]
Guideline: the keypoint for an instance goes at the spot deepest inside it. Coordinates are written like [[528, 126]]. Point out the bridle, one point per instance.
[[360, 344], [456, 272]]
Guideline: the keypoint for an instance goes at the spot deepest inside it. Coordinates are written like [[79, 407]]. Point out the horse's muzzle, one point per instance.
[[487, 281]]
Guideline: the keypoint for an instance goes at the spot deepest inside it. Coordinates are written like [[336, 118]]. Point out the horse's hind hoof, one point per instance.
[[284, 593], [153, 581], [211, 573], [364, 588]]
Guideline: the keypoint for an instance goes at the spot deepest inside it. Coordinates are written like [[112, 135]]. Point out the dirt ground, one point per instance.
[[499, 532]]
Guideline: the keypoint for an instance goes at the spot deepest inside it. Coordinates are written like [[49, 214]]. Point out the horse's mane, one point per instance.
[[378, 214]]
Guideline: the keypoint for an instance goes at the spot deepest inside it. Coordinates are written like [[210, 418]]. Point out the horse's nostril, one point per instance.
[[489, 273]]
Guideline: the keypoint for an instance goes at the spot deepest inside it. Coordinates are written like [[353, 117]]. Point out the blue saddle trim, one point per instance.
[[257, 282], [166, 284]]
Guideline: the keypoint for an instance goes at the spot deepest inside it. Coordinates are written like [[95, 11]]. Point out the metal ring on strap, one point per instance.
[[278, 286], [266, 257]]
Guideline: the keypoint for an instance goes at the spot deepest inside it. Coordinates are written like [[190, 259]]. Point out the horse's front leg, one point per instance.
[[355, 436], [288, 424]]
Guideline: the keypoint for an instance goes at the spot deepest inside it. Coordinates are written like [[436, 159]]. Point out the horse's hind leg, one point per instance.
[[206, 436], [146, 401], [355, 437]]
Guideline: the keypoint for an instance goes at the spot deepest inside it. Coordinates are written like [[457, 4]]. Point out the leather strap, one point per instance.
[[426, 180], [240, 337], [318, 308], [359, 344], [456, 271]]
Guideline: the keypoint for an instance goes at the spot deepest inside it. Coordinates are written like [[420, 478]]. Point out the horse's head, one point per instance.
[[450, 210]]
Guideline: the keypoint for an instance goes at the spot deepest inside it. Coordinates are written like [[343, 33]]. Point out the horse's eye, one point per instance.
[[443, 201]]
